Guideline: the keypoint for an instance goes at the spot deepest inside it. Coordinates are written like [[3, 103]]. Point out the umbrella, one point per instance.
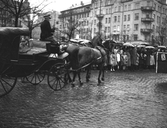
[[163, 47], [128, 44], [139, 43], [149, 47], [141, 46], [74, 40]]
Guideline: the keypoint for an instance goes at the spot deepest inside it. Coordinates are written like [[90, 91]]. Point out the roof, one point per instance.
[[14, 31]]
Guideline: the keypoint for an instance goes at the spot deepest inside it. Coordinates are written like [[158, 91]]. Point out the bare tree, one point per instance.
[[16, 8], [31, 20], [19, 8], [71, 26]]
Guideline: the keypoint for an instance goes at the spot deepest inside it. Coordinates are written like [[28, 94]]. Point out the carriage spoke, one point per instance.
[[6, 82], [35, 78], [3, 86], [6, 85], [56, 77]]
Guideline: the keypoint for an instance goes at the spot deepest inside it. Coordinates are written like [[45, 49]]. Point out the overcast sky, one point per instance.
[[59, 5]]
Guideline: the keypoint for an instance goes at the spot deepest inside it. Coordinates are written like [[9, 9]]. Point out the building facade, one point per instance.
[[121, 20], [76, 21]]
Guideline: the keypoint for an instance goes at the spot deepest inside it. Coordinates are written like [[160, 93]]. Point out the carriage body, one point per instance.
[[31, 65]]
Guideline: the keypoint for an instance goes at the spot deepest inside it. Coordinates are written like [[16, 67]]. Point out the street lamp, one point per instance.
[[100, 17]]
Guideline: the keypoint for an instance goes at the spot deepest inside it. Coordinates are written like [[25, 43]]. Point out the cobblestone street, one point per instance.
[[126, 100]]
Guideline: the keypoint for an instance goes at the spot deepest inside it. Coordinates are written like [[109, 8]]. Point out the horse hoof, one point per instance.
[[72, 85], [81, 84], [102, 79], [99, 81], [87, 80]]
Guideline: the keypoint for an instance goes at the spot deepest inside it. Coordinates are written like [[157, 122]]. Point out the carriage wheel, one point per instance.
[[57, 77], [35, 78], [7, 84]]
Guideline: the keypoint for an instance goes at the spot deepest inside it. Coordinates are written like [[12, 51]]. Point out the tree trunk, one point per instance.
[[30, 34], [161, 39], [16, 21]]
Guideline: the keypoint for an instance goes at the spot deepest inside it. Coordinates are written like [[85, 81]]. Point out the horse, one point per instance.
[[84, 57], [81, 57], [96, 43]]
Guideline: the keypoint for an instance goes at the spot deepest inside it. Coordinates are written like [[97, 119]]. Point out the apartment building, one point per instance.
[[78, 19], [121, 20], [130, 20]]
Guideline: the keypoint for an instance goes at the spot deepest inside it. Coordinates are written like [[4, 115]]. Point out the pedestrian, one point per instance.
[[113, 61]]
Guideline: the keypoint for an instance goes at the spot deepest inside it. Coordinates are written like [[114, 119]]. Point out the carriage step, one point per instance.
[[24, 62]]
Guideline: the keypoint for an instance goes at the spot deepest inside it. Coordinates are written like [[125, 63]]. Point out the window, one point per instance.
[[118, 18], [135, 37], [124, 27], [124, 17], [153, 27], [153, 16], [128, 17], [137, 5], [105, 29], [94, 30], [106, 20], [148, 3], [115, 18], [158, 19], [119, 8], [125, 7], [128, 27], [115, 9], [136, 16], [94, 22], [108, 29], [106, 11], [136, 27], [129, 7], [155, 6], [109, 20], [114, 27]]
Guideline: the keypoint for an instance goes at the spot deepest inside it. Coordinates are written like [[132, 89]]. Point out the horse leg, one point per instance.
[[102, 73], [88, 73], [79, 77], [74, 76], [100, 70]]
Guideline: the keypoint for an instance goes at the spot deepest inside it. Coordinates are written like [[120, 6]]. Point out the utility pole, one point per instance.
[[100, 17]]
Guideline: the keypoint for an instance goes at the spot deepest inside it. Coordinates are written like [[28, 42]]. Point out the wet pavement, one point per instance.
[[125, 100]]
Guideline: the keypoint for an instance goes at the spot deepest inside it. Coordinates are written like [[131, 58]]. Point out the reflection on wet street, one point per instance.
[[125, 100]]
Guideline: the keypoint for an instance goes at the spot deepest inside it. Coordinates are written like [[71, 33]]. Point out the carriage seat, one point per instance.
[[39, 43], [5, 31]]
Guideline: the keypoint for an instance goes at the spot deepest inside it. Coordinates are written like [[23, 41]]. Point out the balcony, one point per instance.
[[147, 19], [100, 16], [146, 30], [147, 8]]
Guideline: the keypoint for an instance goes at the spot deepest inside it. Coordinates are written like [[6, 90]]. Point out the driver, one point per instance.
[[47, 32]]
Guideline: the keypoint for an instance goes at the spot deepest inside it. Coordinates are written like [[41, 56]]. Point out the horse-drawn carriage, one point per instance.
[[35, 63], [31, 65]]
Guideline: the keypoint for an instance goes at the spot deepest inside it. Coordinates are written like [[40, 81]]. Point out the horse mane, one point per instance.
[[95, 41]]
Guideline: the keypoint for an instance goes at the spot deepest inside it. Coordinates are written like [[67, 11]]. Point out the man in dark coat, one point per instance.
[[47, 35], [47, 31]]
